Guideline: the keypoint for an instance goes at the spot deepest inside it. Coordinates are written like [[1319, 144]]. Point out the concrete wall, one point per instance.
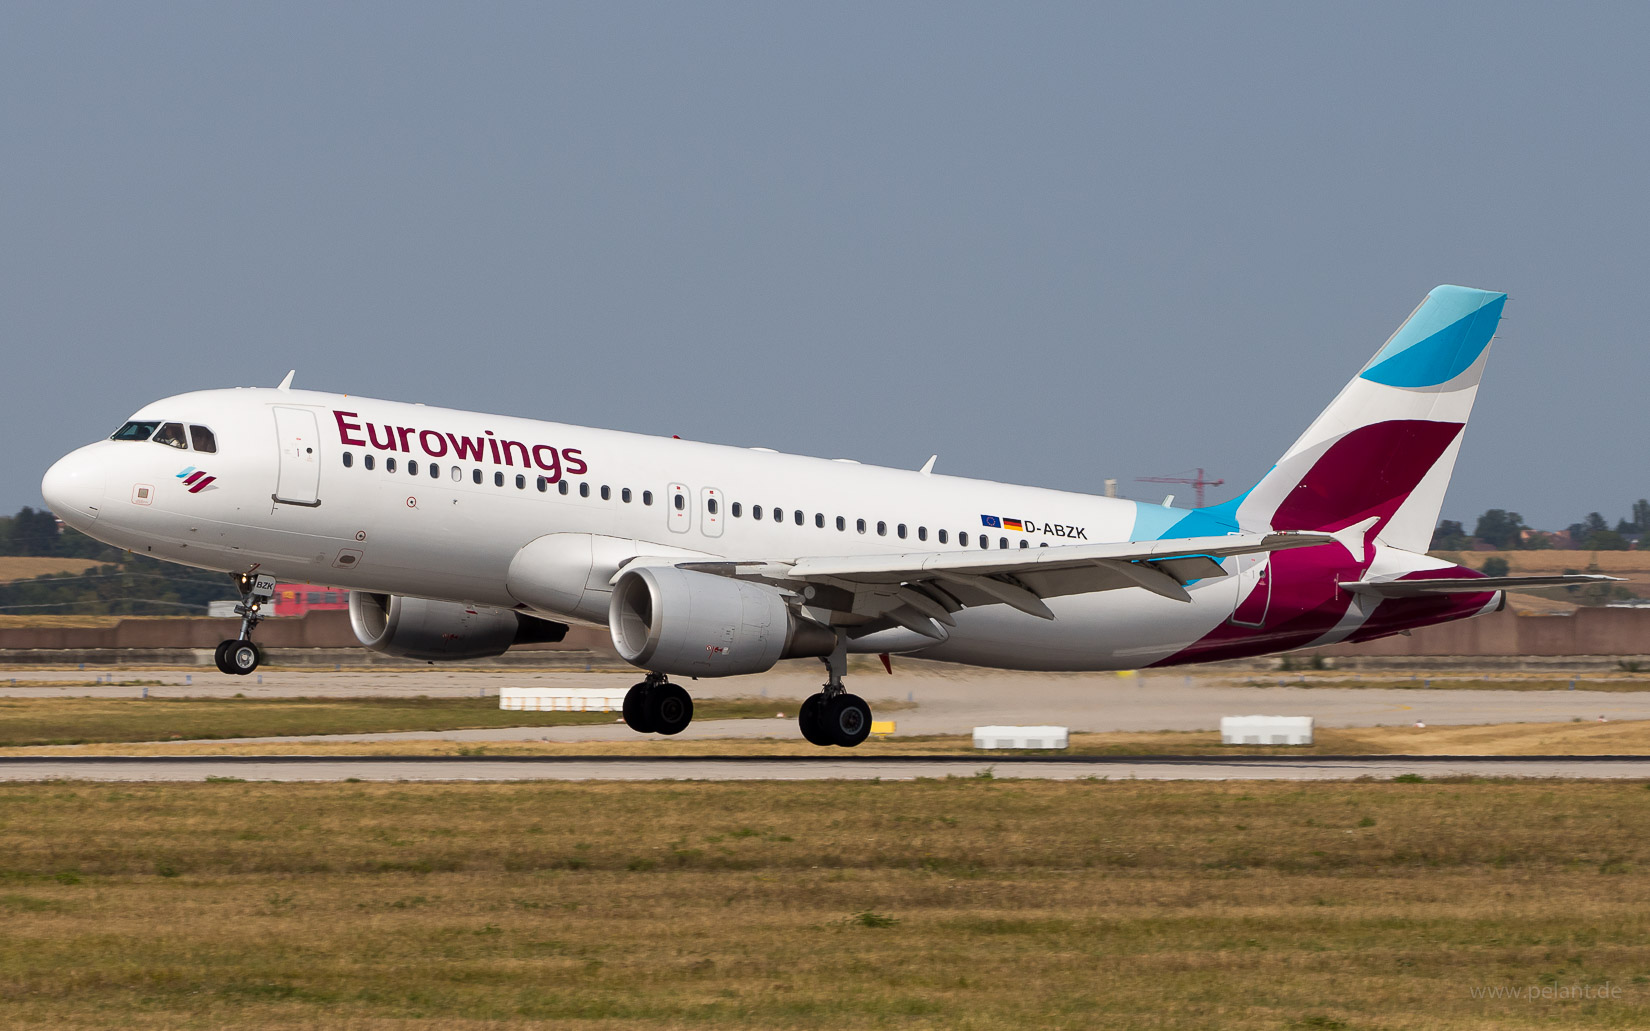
[[314, 630], [1590, 631]]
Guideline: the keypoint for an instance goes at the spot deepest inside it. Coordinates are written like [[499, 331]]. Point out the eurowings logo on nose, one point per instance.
[[196, 480]]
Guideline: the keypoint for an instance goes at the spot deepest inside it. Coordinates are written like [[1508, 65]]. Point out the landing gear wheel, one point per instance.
[[242, 657], [637, 711], [670, 708], [221, 657], [811, 720], [847, 720]]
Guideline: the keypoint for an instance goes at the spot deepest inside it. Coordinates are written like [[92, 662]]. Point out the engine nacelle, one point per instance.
[[671, 620], [414, 628]]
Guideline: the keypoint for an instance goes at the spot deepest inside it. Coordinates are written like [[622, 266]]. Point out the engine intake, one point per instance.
[[415, 628], [671, 620]]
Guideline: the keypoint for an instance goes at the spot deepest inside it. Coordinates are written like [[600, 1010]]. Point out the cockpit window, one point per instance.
[[205, 440], [135, 431], [172, 434]]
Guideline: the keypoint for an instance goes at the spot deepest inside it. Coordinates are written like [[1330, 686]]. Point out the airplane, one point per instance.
[[459, 534]]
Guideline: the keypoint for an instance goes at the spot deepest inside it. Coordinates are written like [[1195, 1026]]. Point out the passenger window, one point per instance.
[[475, 475], [135, 431], [900, 530], [819, 520], [458, 474], [624, 495], [681, 502], [389, 465], [1024, 543], [735, 509], [647, 497], [542, 484], [943, 535], [584, 490], [607, 493], [756, 511], [412, 467], [1002, 543], [779, 515], [882, 528], [962, 538], [859, 524], [798, 517], [922, 533], [349, 459], [561, 488], [366, 461], [498, 479], [435, 471], [205, 441], [985, 542], [710, 505], [521, 482], [171, 435]]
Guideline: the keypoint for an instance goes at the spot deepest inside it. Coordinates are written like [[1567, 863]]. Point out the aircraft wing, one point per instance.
[[910, 589], [1468, 585]]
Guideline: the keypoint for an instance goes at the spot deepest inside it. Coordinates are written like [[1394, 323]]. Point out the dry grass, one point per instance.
[[23, 567], [1622, 681], [938, 904], [1617, 563], [58, 721]]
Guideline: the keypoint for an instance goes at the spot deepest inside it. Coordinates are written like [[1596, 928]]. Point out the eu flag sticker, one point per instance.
[[991, 521]]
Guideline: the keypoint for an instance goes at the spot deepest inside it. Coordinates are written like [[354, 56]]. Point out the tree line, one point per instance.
[[121, 583], [1506, 531]]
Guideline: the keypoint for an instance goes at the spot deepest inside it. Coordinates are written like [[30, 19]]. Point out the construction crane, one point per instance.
[[1197, 482]]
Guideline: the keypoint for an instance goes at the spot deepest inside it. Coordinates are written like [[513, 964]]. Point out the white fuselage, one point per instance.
[[336, 489]]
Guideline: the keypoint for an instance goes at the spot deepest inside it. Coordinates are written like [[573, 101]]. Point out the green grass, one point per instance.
[[65, 721], [956, 903]]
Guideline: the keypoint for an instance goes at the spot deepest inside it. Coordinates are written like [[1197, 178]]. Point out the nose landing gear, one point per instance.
[[656, 706], [833, 716], [238, 656]]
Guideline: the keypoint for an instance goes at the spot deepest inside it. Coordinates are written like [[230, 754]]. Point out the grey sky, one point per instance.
[[1052, 243]]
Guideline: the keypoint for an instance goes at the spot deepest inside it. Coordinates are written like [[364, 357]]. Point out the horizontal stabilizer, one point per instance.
[[1468, 584]]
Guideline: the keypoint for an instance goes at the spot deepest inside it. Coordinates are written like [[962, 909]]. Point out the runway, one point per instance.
[[823, 767]]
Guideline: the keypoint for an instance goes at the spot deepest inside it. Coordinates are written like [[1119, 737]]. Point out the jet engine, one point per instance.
[[670, 620], [414, 628]]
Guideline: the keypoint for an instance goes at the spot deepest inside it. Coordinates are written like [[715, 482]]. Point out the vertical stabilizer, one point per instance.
[[1378, 460]]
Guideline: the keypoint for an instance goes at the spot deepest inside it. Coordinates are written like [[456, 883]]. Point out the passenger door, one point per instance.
[[298, 480]]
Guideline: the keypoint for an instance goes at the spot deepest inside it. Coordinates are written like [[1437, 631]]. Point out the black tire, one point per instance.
[[221, 657], [848, 720], [671, 709], [243, 657], [811, 720], [636, 709]]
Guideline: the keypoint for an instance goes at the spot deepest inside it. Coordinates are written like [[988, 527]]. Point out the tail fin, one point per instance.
[[1381, 454]]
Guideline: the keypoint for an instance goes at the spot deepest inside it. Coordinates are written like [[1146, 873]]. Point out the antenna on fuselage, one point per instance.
[[286, 384]]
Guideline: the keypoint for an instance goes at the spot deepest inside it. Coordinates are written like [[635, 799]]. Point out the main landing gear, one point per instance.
[[656, 706], [833, 716], [239, 656]]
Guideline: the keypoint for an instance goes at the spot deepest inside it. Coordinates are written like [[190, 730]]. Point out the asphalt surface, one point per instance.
[[823, 767], [947, 699]]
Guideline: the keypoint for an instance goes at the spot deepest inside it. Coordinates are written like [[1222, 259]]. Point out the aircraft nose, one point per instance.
[[73, 487]]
